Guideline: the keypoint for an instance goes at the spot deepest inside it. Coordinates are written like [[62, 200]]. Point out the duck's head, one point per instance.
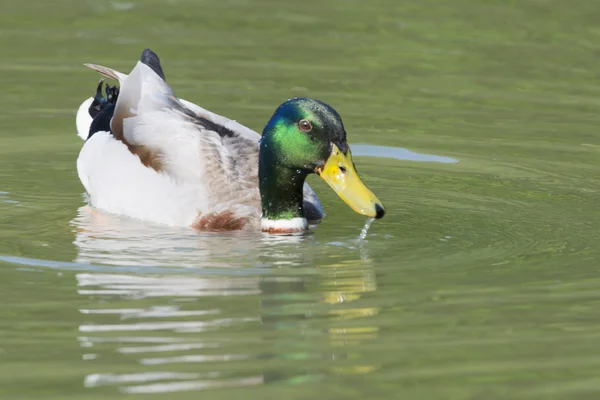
[[307, 136]]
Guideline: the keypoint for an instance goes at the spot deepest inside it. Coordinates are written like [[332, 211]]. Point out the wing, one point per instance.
[[175, 140]]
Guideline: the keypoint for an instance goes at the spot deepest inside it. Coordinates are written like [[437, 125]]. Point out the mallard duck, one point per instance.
[[152, 156]]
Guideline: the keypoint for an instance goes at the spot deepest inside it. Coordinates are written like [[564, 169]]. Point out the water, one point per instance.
[[481, 281], [396, 153]]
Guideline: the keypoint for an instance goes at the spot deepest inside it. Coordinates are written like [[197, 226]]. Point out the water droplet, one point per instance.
[[365, 229]]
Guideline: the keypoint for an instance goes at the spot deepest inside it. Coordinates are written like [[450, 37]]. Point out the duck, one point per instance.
[[150, 155]]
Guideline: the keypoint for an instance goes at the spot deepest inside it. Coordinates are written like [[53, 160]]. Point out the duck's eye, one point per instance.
[[304, 125]]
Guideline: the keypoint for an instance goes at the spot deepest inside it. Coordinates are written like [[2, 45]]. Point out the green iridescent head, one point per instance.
[[300, 133], [307, 136]]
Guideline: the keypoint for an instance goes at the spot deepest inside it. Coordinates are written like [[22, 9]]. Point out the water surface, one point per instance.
[[481, 282]]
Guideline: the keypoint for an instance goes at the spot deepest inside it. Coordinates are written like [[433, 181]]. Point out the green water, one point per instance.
[[482, 281]]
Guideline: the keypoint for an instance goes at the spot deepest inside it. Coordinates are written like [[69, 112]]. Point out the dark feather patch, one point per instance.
[[151, 59], [101, 121], [222, 131], [102, 108]]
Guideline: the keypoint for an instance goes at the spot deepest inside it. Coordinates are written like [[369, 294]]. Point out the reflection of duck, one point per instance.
[[142, 308], [102, 238], [351, 281], [155, 157], [326, 302], [328, 292], [347, 284], [146, 322]]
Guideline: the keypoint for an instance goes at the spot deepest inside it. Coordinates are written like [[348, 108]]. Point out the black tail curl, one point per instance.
[[103, 108]]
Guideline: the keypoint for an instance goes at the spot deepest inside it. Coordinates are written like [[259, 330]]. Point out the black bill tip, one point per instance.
[[379, 211]]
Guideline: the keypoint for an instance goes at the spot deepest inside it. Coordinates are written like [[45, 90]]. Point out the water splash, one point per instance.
[[365, 229]]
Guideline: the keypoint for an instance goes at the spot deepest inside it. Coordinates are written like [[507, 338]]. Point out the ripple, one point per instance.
[[95, 380], [153, 312], [122, 6], [398, 153], [164, 286], [164, 348], [79, 266], [182, 326], [195, 385], [4, 199]]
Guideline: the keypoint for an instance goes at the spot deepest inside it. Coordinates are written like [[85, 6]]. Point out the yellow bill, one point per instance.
[[340, 174]]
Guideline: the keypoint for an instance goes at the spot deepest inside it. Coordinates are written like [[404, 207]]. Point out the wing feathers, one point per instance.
[[152, 60], [107, 72]]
